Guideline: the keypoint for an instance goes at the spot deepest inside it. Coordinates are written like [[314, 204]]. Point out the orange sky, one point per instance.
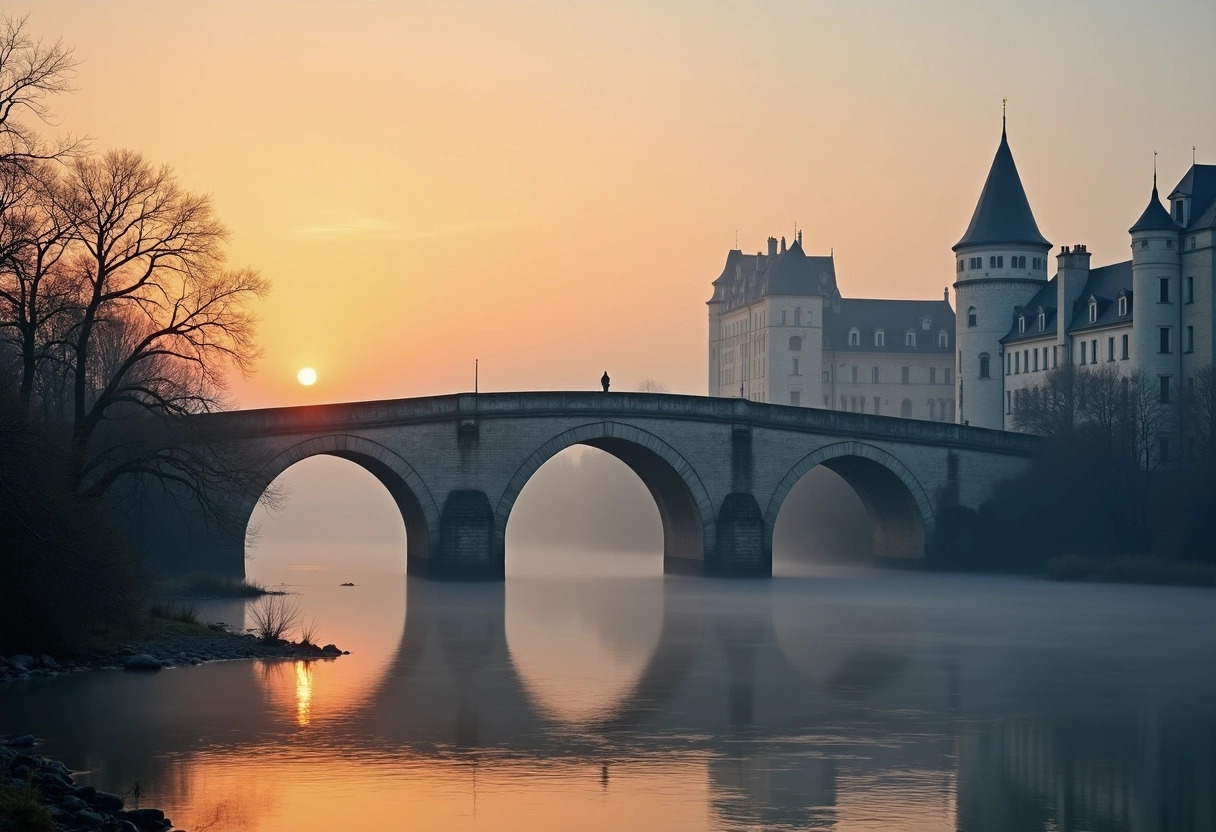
[[551, 186]]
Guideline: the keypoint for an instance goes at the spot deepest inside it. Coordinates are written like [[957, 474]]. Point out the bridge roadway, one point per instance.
[[718, 469]]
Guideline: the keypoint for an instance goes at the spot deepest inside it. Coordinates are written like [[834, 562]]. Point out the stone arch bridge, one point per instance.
[[718, 469]]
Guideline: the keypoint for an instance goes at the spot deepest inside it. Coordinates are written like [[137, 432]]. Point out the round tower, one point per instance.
[[1156, 342], [1000, 262]]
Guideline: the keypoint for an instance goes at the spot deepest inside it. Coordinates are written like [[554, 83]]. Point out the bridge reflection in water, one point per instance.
[[791, 704]]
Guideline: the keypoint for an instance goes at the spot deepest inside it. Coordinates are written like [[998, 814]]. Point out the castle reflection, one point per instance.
[[783, 705]]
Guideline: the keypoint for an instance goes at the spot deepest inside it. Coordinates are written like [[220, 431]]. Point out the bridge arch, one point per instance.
[[685, 508], [407, 489], [901, 515]]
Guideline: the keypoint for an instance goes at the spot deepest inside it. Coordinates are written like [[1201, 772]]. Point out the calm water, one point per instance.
[[844, 700]]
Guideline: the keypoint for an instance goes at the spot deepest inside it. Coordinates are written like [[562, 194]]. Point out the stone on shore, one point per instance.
[[142, 661], [22, 741]]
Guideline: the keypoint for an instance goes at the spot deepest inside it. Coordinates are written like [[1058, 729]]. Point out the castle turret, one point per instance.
[[1001, 261], [1156, 345]]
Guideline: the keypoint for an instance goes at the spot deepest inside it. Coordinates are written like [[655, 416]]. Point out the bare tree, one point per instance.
[[37, 291], [1052, 411], [160, 321], [1147, 419], [1199, 415], [30, 71], [650, 385]]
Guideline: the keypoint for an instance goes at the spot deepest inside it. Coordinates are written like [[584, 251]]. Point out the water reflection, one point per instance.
[[853, 702]]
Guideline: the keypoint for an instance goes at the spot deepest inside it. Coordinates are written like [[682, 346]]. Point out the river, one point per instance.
[[837, 699]]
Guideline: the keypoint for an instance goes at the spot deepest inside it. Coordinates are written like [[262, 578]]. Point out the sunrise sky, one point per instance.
[[551, 186]]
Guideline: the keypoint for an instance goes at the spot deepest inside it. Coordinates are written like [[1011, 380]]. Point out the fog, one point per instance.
[[582, 511]]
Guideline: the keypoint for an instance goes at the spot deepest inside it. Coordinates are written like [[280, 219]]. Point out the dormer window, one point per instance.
[[910, 338], [1021, 323], [1179, 210], [1042, 321], [1093, 311], [880, 338], [854, 337], [1122, 305], [926, 322], [943, 339]]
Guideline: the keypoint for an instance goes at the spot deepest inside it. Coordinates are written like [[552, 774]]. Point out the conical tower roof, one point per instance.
[[1003, 213], [1155, 217]]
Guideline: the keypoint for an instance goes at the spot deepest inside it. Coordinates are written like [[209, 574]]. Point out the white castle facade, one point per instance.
[[779, 330]]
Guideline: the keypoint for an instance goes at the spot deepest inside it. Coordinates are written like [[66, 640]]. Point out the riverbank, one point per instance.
[[172, 646], [40, 795], [1130, 570]]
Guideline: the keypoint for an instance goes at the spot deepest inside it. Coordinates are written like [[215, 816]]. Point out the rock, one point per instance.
[[48, 662], [21, 661], [23, 741], [72, 803], [106, 802], [88, 816], [346, 584], [52, 780], [143, 818], [142, 661], [86, 793], [331, 648], [126, 826]]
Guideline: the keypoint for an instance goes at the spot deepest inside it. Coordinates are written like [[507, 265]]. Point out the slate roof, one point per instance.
[[1155, 216], [894, 318], [1103, 284], [1003, 215], [748, 277], [1199, 184]]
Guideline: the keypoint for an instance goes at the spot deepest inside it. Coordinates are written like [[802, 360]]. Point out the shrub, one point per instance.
[[174, 612], [308, 634], [21, 811], [210, 585], [67, 574], [274, 617]]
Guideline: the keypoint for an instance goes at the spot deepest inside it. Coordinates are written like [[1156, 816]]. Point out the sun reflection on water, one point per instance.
[[303, 693]]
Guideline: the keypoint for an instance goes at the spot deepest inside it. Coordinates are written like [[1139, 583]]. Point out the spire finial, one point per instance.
[[1192, 154], [1154, 173], [1004, 104]]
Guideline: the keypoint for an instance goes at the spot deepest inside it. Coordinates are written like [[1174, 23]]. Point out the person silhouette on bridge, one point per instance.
[[604, 380]]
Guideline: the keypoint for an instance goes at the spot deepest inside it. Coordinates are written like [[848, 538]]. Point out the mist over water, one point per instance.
[[589, 691]]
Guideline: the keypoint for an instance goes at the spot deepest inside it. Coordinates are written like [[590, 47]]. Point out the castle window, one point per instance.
[[1042, 321], [1036, 360], [960, 265], [1017, 362], [844, 403], [827, 377], [874, 374], [1190, 289], [1008, 401], [1164, 338], [1165, 389], [794, 371], [933, 375], [795, 343], [905, 375], [1021, 323], [1163, 285], [1144, 244], [943, 339], [926, 322], [1093, 311], [880, 338], [1193, 240], [909, 338], [798, 316], [1190, 339], [1178, 208], [854, 337], [783, 311], [971, 316], [1083, 346], [795, 398], [984, 362], [1124, 356], [1008, 363], [1110, 348], [932, 410], [905, 408], [946, 379], [853, 373], [1122, 305], [877, 406]]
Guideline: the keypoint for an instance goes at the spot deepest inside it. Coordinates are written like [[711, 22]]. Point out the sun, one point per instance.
[[307, 376]]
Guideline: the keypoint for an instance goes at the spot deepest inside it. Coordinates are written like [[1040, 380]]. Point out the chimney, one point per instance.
[[772, 246], [1072, 273], [946, 294], [783, 244]]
